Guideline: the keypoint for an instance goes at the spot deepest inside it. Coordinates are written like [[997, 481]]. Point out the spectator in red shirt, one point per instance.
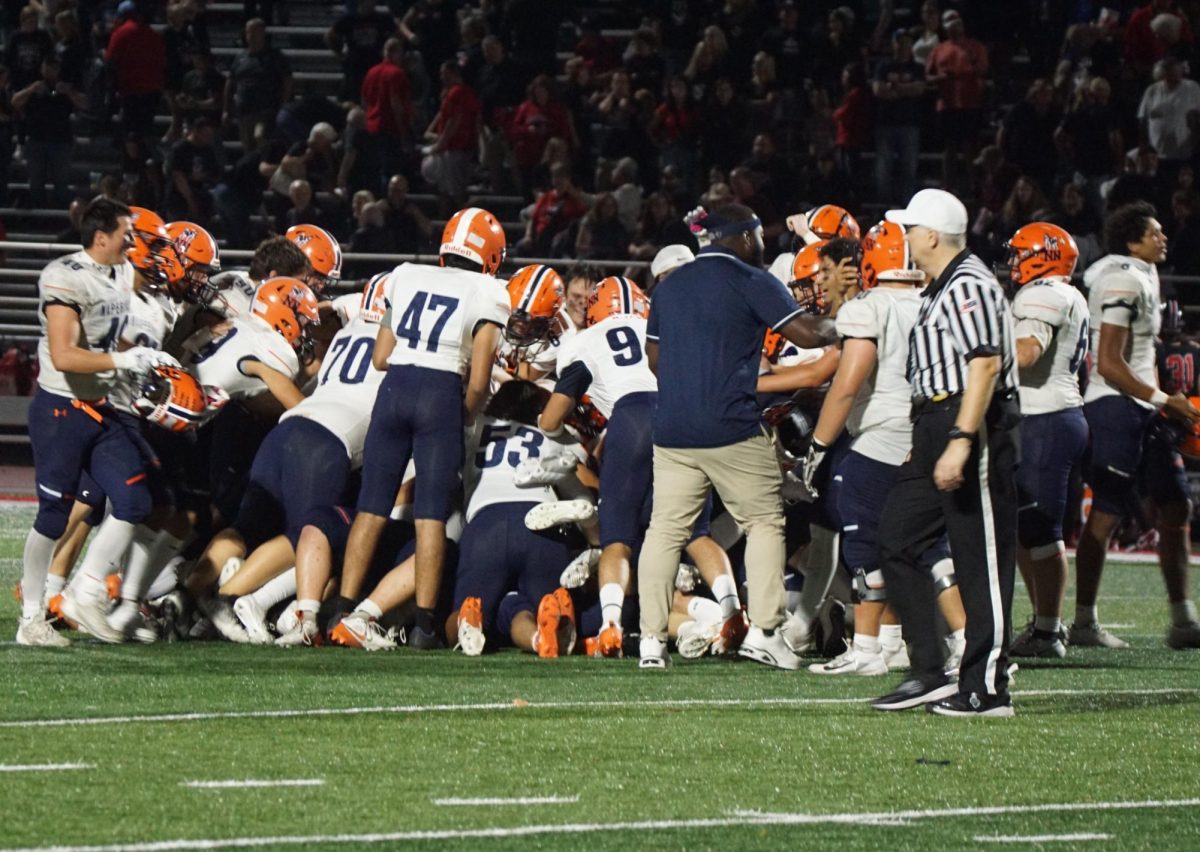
[[852, 118], [1142, 47], [137, 58], [540, 118], [554, 212], [957, 67], [453, 136], [387, 99], [673, 129]]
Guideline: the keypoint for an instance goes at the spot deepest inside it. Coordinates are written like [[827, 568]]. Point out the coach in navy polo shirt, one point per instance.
[[704, 341]]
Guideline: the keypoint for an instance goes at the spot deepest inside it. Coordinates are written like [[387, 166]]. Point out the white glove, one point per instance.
[[812, 463], [143, 359]]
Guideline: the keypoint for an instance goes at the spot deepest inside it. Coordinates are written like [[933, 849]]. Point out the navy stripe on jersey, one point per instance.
[[964, 315]]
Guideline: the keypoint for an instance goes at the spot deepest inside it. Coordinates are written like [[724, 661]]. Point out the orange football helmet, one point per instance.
[[1189, 444], [1041, 250], [829, 221], [151, 251], [616, 295], [804, 274], [475, 234], [535, 293], [174, 400], [374, 305], [885, 257], [289, 307], [200, 257], [324, 255]]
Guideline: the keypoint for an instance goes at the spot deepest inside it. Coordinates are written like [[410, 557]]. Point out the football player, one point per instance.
[[84, 303], [231, 291], [1120, 405], [440, 321], [324, 255], [529, 349], [1051, 319]]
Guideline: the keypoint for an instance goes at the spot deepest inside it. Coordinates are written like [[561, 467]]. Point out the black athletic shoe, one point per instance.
[[915, 692], [420, 640], [973, 704], [829, 628]]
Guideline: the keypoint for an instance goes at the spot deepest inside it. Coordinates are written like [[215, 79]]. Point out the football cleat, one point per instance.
[[220, 612], [470, 627], [302, 631], [687, 578], [91, 614], [829, 628], [732, 633], [1094, 636], [653, 654], [1037, 645], [129, 619], [914, 692], [973, 705], [112, 585], [546, 516], [38, 633], [232, 565], [533, 473], [176, 615], [419, 640], [54, 606], [797, 633], [359, 630], [253, 618], [853, 662], [896, 659], [694, 639], [610, 641], [580, 568], [1025, 635], [769, 650], [1182, 636], [555, 625], [287, 618]]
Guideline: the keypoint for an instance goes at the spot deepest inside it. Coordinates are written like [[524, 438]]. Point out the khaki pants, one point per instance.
[[746, 476]]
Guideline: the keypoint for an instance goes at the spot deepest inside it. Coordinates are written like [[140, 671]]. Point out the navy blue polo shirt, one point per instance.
[[709, 318]]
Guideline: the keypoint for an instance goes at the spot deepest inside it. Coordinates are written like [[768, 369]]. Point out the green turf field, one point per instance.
[[391, 749]]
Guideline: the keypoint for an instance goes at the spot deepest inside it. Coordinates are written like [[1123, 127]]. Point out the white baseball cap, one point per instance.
[[935, 209], [669, 257]]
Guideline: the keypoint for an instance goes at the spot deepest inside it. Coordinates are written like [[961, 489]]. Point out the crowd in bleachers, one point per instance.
[[609, 119]]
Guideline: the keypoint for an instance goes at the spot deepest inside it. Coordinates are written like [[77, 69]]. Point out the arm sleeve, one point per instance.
[[973, 317], [1038, 312], [574, 380], [860, 318]]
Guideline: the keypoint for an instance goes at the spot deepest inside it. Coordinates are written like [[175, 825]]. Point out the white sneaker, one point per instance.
[[1182, 636], [653, 654], [694, 639], [954, 654], [897, 658], [303, 631], [232, 565], [797, 633], [544, 516], [129, 620], [91, 614], [687, 578], [220, 613], [769, 650], [580, 569], [358, 630], [853, 662], [253, 618], [1094, 636], [287, 619], [532, 473], [38, 633]]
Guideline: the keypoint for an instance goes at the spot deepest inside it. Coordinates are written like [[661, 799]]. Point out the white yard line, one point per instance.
[[518, 800], [253, 782], [1040, 838], [745, 818], [402, 709], [43, 767]]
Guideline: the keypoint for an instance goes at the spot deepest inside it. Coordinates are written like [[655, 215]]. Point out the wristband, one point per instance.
[[955, 433], [123, 360], [1159, 398]]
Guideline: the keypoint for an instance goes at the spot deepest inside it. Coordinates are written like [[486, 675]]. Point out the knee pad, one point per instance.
[[52, 515], [1045, 551], [943, 575], [868, 585]]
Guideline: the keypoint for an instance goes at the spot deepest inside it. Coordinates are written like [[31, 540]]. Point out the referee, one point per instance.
[[959, 479]]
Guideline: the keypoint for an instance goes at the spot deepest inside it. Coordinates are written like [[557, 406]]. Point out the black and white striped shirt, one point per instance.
[[964, 315]]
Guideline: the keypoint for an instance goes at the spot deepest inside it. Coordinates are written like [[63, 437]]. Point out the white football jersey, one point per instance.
[[1124, 291], [218, 361], [494, 449], [1054, 313], [346, 388], [879, 420], [151, 317], [347, 307], [435, 311], [614, 352], [236, 293], [100, 295]]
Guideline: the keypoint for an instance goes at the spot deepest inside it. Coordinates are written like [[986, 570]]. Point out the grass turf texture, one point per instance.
[[1098, 727]]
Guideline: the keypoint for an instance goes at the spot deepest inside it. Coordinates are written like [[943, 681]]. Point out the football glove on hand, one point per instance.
[[143, 359], [811, 464]]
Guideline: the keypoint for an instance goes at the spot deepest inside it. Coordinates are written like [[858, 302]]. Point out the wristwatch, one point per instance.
[[955, 432]]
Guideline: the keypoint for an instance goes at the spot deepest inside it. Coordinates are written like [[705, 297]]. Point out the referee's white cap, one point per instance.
[[669, 257], [935, 209]]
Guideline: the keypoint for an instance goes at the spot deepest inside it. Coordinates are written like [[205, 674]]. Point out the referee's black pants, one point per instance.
[[980, 517]]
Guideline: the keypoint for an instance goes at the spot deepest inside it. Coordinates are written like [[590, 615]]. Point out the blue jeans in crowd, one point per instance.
[[50, 160]]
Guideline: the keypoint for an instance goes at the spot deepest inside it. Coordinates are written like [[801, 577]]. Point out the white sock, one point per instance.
[[705, 611], [39, 552], [308, 606], [54, 585], [1047, 623], [866, 644], [958, 637], [890, 637], [108, 549], [612, 601], [820, 564], [369, 607], [725, 591], [276, 589], [1183, 612], [1086, 615], [139, 568]]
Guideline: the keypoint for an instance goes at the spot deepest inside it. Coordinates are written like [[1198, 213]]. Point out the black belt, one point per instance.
[[946, 401]]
